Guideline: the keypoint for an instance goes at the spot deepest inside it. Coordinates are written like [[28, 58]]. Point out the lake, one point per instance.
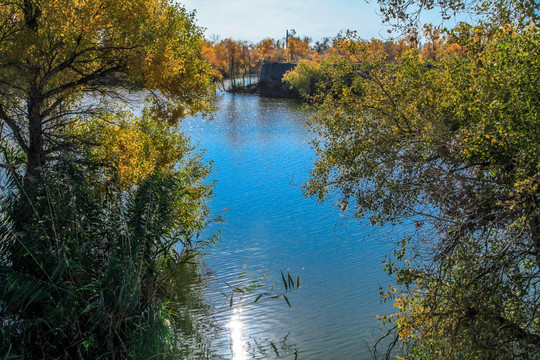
[[261, 155]]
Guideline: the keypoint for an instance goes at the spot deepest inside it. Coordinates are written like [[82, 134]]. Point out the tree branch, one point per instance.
[[82, 81], [15, 130]]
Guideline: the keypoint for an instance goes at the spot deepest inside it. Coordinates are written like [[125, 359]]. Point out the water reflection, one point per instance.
[[232, 115], [238, 349], [260, 149], [192, 326]]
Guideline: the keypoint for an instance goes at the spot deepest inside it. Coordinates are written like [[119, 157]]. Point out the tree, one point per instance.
[[265, 49], [313, 77], [448, 142], [232, 58], [54, 53], [99, 207], [228, 54], [209, 53], [85, 273], [298, 48], [309, 77], [322, 46], [247, 56]]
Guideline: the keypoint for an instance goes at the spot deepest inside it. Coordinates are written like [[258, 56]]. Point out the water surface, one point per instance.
[[261, 153]]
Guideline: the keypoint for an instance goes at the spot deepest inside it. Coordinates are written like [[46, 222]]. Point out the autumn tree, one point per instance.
[[99, 206], [445, 139], [233, 59], [228, 53], [54, 52], [298, 48], [432, 42], [248, 60], [323, 45], [266, 49], [312, 77], [209, 53]]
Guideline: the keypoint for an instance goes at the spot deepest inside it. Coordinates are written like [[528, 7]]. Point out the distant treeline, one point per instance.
[[241, 59]]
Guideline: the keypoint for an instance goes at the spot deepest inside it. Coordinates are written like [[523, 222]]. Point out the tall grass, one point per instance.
[[85, 266]]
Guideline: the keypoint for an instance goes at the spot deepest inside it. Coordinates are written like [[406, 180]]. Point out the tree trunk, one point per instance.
[[233, 83], [35, 132]]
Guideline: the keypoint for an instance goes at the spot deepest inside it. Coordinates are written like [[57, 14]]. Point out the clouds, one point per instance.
[[256, 19]]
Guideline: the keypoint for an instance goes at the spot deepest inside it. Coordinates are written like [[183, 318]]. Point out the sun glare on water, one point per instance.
[[237, 343]]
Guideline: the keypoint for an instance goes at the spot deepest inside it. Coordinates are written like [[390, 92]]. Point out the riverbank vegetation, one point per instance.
[[99, 206], [236, 60], [240, 59], [444, 135], [102, 208]]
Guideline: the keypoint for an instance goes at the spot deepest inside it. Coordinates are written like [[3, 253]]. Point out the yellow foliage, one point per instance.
[[154, 42], [298, 49], [131, 148]]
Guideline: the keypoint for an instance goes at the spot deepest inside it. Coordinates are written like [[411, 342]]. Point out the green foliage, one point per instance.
[[478, 307], [99, 207], [450, 141], [88, 263], [84, 264], [308, 78]]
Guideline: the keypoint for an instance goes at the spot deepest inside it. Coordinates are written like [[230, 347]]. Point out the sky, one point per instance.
[[255, 20]]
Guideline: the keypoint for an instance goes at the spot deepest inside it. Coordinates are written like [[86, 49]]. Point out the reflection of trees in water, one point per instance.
[[230, 112], [194, 327], [239, 112], [198, 333]]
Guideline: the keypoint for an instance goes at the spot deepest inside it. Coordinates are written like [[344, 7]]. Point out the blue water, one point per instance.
[[261, 154]]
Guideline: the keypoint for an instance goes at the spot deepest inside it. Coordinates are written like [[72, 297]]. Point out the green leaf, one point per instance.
[[287, 300], [284, 281], [290, 280]]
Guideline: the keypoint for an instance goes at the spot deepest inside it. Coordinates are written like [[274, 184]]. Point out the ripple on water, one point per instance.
[[261, 154]]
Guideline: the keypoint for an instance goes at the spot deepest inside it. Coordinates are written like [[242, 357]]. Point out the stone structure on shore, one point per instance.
[[270, 80]]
